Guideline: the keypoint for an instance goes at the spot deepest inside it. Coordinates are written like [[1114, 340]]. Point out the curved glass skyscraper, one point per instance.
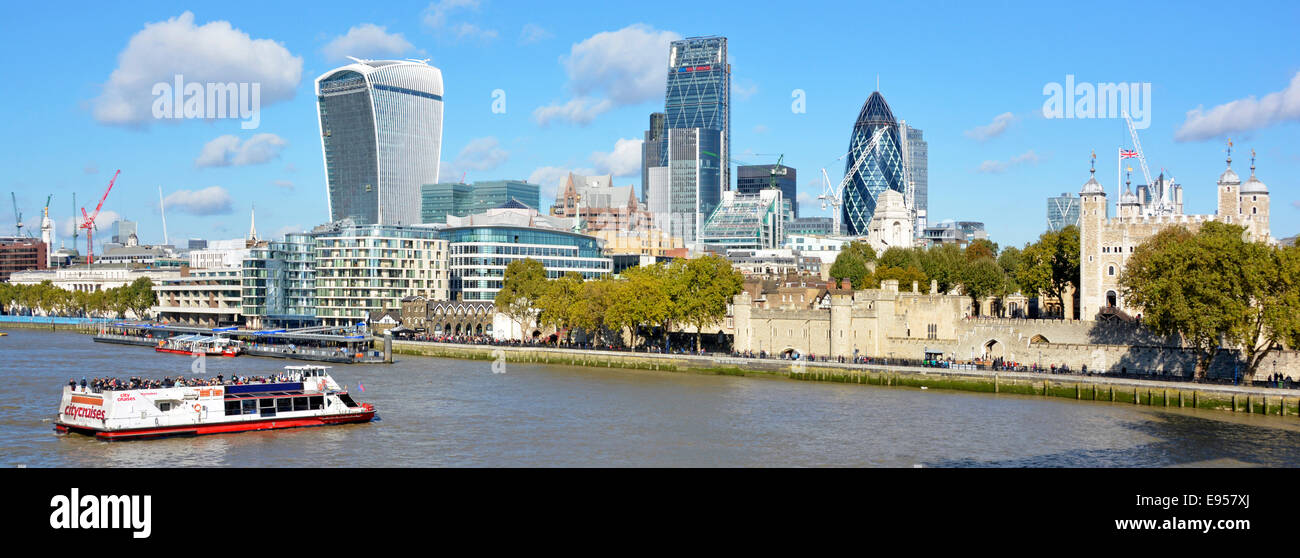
[[381, 134], [881, 170]]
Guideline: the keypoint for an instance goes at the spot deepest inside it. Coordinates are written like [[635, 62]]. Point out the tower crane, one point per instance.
[[88, 221], [834, 196], [18, 217]]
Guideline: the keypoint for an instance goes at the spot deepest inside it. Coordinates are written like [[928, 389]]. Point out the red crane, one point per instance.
[[88, 221]]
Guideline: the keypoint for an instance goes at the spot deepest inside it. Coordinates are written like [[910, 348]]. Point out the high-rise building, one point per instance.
[[367, 268], [381, 135], [750, 179], [437, 201], [1062, 211], [697, 118], [746, 221], [693, 179], [654, 152], [279, 283], [877, 170], [918, 172]]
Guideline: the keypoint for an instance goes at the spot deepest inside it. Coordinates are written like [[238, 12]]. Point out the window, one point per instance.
[[315, 402], [233, 408], [300, 403], [250, 406], [164, 407], [266, 406], [1110, 270]]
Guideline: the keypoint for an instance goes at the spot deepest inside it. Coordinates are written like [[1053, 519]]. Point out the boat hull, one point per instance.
[[218, 428]]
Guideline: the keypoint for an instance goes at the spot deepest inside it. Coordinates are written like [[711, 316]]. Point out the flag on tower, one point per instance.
[[1127, 154]]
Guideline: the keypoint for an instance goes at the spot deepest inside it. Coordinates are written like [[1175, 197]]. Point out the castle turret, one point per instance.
[[1230, 194], [1254, 204], [1092, 218]]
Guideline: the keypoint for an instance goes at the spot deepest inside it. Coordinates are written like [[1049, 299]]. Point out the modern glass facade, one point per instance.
[[437, 201], [810, 225], [1062, 211], [750, 179], [918, 168], [279, 283], [381, 135], [692, 178], [697, 117], [479, 256], [654, 152], [746, 221], [877, 170]]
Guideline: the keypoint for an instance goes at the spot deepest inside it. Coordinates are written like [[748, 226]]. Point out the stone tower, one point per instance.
[[1254, 205], [1093, 215], [1230, 194]]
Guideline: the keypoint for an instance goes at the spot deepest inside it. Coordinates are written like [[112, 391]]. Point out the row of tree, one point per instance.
[[1216, 288], [45, 298], [692, 292], [1047, 266]]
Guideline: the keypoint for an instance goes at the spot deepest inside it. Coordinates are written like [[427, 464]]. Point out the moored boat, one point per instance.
[[196, 345], [301, 396]]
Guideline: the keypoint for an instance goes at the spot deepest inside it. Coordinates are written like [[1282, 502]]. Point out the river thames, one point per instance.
[[452, 413]]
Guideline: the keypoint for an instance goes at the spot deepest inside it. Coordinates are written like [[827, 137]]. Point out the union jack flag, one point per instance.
[[1127, 154]]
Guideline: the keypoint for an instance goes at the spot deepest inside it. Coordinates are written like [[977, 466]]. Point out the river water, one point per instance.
[[441, 412]]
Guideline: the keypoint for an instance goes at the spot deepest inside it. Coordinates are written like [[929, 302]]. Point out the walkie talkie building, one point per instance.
[[381, 134]]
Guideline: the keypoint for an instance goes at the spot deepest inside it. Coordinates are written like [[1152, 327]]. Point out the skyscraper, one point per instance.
[[1062, 211], [877, 170], [654, 151], [752, 179], [381, 135], [918, 169], [697, 117]]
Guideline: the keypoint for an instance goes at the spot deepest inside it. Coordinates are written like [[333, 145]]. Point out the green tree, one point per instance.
[[557, 305], [943, 263], [639, 299], [1211, 287], [709, 282], [1011, 260], [592, 305], [981, 248], [523, 284], [853, 263], [140, 297], [982, 278], [1051, 265], [902, 258], [904, 276]]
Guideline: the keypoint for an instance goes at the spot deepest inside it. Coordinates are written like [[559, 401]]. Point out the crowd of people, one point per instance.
[[97, 385]]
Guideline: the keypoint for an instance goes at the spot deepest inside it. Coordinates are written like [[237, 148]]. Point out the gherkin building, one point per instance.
[[882, 169]]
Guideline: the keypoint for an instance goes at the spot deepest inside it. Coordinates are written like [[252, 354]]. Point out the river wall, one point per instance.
[[1281, 402]]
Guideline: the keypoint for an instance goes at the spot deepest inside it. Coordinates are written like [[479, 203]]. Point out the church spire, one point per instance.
[[252, 225]]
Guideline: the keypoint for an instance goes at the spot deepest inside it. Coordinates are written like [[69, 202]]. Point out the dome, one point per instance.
[[1092, 187], [1129, 198], [1229, 177], [1253, 185]]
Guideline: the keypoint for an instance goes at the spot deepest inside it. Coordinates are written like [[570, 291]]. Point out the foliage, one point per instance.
[[981, 248], [981, 278], [1050, 265], [852, 264], [522, 286], [708, 284], [558, 303]]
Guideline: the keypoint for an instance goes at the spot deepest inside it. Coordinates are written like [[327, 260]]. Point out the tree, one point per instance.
[[904, 276], [1051, 265], [557, 303], [852, 263], [140, 296], [943, 263], [982, 278], [521, 287], [1011, 260], [901, 258], [592, 305], [640, 299], [981, 248], [1214, 287], [708, 282]]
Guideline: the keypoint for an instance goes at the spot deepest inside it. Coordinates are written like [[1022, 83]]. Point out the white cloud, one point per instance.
[[1242, 115], [481, 154], [532, 33], [286, 184], [68, 224], [760, 129], [994, 129], [743, 89], [611, 69], [213, 200], [436, 18], [212, 53], [997, 167], [367, 41], [624, 160], [228, 151], [580, 111]]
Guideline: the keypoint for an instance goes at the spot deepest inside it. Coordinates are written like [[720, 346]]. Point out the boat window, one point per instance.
[[347, 400], [266, 406], [164, 407], [315, 402], [233, 408], [250, 406], [300, 403], [284, 404]]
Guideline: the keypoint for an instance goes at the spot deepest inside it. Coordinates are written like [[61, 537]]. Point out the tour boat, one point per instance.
[[195, 345], [310, 398]]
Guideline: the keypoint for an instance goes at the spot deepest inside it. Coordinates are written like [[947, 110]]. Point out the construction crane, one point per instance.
[[74, 225], [776, 170], [88, 221], [834, 196], [18, 217]]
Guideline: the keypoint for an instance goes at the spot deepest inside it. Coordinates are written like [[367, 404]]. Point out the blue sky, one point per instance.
[[971, 75]]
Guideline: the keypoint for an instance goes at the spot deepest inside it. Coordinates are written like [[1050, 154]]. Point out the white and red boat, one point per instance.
[[196, 345], [309, 397]]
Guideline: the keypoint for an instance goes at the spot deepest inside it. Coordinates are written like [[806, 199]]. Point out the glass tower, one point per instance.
[[879, 169], [381, 134], [698, 97], [654, 152], [1062, 211]]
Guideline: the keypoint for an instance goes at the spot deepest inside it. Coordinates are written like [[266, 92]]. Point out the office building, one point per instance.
[[750, 179], [654, 151], [201, 298], [599, 204], [697, 117], [1062, 211], [746, 222], [19, 253], [693, 179], [871, 172], [381, 136], [437, 201], [953, 232], [482, 245]]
